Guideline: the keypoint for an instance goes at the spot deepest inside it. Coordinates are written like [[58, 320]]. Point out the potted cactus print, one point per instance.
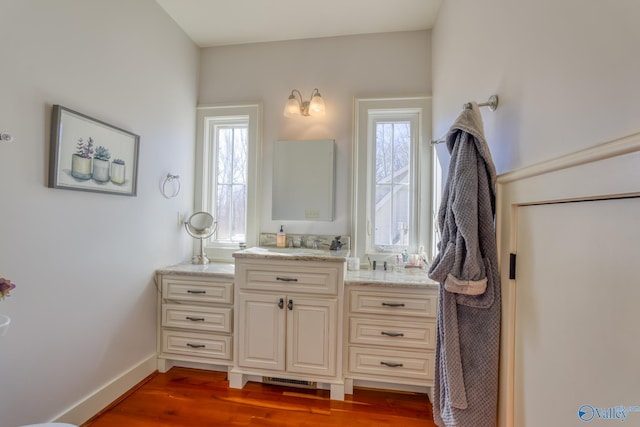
[[101, 164], [118, 171], [87, 154], [81, 159]]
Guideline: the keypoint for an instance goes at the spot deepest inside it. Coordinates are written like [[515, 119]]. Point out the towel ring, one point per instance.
[[175, 179]]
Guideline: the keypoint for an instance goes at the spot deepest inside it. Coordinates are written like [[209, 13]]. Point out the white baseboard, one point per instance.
[[103, 397]]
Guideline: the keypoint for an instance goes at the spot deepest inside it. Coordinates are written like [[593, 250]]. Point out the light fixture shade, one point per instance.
[[316, 106], [295, 106], [292, 107]]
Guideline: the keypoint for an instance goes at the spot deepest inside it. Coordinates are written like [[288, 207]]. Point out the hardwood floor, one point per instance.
[[191, 397]]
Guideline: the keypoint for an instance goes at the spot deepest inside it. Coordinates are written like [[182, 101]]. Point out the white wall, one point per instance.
[[392, 64], [84, 310], [566, 72]]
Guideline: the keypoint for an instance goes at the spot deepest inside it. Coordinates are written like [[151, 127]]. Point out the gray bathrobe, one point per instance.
[[468, 327]]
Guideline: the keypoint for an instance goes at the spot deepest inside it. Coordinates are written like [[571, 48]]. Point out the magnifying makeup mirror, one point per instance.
[[201, 226]]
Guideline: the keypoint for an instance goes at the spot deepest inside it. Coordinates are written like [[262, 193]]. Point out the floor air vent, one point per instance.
[[289, 383]]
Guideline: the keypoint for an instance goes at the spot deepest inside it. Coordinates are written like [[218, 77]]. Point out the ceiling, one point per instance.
[[226, 22]]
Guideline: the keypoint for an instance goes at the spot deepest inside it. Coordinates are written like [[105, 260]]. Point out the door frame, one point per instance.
[[605, 171]]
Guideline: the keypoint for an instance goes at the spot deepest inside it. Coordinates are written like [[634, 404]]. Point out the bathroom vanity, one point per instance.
[[195, 304], [297, 316], [289, 324], [390, 329]]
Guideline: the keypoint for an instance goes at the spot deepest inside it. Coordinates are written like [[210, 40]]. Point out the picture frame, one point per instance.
[[87, 154]]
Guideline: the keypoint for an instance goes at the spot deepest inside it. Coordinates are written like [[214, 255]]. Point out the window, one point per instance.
[[392, 176], [392, 179], [229, 151], [226, 175]]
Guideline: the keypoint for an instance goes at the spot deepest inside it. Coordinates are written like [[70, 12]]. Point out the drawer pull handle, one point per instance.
[[191, 291], [393, 304], [392, 334], [391, 364], [195, 319], [196, 345], [286, 279], [281, 303]]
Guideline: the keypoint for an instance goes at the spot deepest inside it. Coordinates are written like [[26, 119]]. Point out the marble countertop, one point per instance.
[[352, 277], [389, 278], [217, 269], [299, 254]]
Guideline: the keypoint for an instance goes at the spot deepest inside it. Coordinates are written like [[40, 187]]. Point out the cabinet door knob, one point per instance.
[[281, 303], [290, 305]]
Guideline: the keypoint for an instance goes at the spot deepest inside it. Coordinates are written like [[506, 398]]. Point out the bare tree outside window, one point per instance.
[[230, 186], [392, 182]]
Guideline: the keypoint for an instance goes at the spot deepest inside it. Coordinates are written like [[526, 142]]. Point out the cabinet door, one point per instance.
[[577, 338], [261, 333], [311, 342]]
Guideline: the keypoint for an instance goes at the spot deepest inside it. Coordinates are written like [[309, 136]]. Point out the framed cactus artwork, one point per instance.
[[90, 155]]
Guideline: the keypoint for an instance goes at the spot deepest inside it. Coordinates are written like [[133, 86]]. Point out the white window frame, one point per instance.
[[367, 112], [207, 117]]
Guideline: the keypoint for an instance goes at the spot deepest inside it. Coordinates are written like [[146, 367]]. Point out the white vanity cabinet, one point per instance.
[[288, 333], [288, 320], [391, 334], [196, 320]]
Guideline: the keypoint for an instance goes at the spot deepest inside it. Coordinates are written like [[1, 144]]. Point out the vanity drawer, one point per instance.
[[397, 303], [215, 319], [392, 333], [197, 344], [379, 363], [181, 289], [316, 278]]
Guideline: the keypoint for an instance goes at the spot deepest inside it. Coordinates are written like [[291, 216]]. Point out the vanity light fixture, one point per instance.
[[296, 106]]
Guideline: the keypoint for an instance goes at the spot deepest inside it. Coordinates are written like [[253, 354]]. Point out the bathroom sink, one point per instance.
[[293, 253], [296, 251]]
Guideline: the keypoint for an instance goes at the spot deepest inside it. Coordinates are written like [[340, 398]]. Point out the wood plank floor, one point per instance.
[[191, 397]]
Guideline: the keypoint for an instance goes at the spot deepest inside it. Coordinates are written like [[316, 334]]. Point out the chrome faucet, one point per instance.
[[336, 245], [315, 244], [303, 243]]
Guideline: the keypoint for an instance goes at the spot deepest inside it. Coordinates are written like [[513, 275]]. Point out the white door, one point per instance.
[[311, 341], [261, 332], [577, 314]]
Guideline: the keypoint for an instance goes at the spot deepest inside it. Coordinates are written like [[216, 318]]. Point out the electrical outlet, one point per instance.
[[311, 213]]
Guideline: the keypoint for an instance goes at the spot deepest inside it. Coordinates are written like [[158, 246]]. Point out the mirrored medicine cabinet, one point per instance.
[[303, 180]]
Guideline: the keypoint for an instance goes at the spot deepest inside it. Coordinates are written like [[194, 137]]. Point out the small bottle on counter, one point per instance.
[[281, 238]]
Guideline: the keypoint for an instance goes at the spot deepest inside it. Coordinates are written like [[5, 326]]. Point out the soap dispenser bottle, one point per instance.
[[281, 238]]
